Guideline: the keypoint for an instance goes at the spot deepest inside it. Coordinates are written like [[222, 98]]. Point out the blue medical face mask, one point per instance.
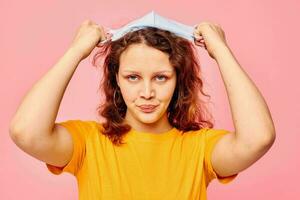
[[153, 20]]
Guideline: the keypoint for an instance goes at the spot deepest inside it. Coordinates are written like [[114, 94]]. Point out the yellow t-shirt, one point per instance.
[[150, 166]]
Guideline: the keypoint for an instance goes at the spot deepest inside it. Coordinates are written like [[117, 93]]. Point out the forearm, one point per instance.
[[38, 109], [251, 116]]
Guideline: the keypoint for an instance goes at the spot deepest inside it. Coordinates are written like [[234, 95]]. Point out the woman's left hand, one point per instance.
[[210, 36]]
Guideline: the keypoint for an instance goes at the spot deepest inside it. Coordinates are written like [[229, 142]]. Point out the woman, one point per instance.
[[155, 143]]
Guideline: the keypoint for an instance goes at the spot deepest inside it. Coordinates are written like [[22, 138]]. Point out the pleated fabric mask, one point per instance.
[[152, 19]]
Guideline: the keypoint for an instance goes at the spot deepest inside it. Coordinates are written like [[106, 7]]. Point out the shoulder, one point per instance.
[[94, 126], [206, 134], [196, 133], [82, 125]]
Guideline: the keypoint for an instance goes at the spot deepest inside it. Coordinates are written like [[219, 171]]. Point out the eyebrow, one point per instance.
[[155, 72]]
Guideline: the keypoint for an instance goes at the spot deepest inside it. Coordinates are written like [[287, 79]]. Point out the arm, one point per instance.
[[251, 116], [38, 110], [33, 127], [254, 129]]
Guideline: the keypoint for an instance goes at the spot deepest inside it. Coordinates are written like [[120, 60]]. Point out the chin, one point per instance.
[[149, 118], [148, 121]]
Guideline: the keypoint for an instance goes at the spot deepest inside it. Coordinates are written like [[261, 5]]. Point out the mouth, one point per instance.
[[147, 109]]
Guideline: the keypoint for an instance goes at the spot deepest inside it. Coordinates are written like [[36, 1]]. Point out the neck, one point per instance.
[[159, 126]]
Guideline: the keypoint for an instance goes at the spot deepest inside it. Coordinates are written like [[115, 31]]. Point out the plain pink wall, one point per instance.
[[264, 36]]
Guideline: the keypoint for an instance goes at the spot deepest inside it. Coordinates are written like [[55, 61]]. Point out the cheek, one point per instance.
[[128, 94], [167, 91], [164, 94]]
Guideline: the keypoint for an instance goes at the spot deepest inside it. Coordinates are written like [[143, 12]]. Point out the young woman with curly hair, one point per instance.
[[157, 141]]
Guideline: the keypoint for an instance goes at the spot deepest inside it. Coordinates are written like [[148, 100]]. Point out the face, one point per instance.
[[146, 77]]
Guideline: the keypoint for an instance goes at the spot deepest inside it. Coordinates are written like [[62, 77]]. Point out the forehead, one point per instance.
[[142, 58]]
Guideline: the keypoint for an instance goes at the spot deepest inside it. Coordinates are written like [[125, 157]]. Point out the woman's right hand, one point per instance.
[[88, 37]]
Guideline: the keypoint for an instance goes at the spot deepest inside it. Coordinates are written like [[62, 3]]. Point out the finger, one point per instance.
[[101, 43], [109, 35], [199, 43], [199, 29], [203, 45], [201, 26], [198, 37], [201, 39]]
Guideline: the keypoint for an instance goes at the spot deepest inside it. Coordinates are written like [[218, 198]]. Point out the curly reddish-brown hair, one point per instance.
[[186, 110]]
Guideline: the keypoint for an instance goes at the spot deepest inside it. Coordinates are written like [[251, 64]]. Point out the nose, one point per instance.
[[147, 91]]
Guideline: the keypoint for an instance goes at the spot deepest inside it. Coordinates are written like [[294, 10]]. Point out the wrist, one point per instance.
[[73, 52], [221, 51]]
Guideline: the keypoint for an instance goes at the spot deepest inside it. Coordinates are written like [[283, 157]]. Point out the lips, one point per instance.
[[148, 108]]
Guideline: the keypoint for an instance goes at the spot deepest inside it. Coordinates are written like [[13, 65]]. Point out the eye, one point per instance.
[[134, 77], [130, 76], [165, 78]]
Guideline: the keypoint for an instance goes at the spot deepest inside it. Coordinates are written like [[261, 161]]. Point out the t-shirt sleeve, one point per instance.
[[211, 138], [78, 130]]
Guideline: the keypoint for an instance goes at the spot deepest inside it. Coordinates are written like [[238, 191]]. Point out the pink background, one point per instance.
[[264, 36]]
